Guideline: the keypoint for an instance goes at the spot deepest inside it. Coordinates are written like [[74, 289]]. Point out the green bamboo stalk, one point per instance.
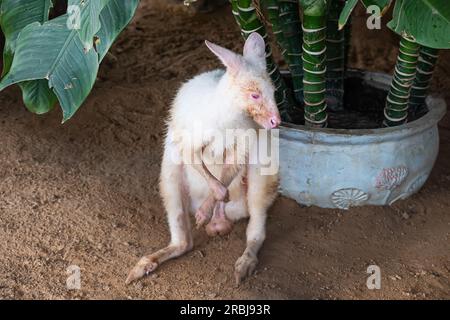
[[249, 22], [336, 56], [290, 25], [348, 41], [273, 10], [396, 110], [314, 62], [425, 67], [235, 12]]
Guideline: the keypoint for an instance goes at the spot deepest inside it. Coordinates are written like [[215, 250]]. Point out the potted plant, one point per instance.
[[351, 137]]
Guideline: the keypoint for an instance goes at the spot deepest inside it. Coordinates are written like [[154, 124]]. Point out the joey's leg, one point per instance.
[[228, 173], [173, 192], [205, 212], [218, 189]]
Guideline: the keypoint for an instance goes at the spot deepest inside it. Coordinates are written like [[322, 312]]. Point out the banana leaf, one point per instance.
[[14, 16], [351, 4], [426, 21], [63, 57]]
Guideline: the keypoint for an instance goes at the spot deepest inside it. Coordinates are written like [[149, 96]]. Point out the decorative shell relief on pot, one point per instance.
[[349, 197], [390, 178]]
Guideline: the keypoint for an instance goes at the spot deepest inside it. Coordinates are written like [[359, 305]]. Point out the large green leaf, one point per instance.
[[54, 52], [351, 4], [59, 54], [37, 96], [382, 4], [89, 22], [14, 16], [346, 12], [427, 21], [114, 18]]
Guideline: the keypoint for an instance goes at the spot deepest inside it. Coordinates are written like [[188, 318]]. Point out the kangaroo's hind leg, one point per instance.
[[174, 193], [262, 191]]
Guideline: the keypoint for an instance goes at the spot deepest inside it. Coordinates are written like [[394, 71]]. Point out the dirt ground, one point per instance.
[[85, 193]]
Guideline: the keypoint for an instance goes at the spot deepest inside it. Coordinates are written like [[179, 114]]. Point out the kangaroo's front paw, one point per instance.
[[245, 266], [142, 268]]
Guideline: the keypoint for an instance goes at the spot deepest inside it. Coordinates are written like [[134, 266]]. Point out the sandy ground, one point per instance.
[[85, 193]]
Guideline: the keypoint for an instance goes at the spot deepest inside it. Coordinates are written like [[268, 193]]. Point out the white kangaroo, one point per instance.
[[211, 183]]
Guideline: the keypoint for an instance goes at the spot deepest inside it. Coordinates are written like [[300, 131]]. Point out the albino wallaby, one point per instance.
[[218, 192]]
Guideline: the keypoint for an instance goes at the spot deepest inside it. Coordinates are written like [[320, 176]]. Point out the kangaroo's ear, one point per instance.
[[255, 49], [231, 60]]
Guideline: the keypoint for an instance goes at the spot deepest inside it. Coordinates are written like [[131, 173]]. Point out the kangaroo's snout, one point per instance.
[[275, 121]]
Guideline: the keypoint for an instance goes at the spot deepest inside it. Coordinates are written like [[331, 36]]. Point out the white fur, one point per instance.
[[217, 101]]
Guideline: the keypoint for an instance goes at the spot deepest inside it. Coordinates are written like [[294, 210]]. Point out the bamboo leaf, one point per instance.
[[426, 21]]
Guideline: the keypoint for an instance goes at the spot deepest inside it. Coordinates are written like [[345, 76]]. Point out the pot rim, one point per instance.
[[436, 110]]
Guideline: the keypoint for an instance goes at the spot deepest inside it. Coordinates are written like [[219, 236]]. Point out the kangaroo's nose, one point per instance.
[[275, 122]]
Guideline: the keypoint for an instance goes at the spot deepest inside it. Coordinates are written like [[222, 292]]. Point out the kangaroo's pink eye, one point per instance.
[[255, 96]]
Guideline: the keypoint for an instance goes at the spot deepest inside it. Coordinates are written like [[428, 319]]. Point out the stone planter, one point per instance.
[[333, 168]]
